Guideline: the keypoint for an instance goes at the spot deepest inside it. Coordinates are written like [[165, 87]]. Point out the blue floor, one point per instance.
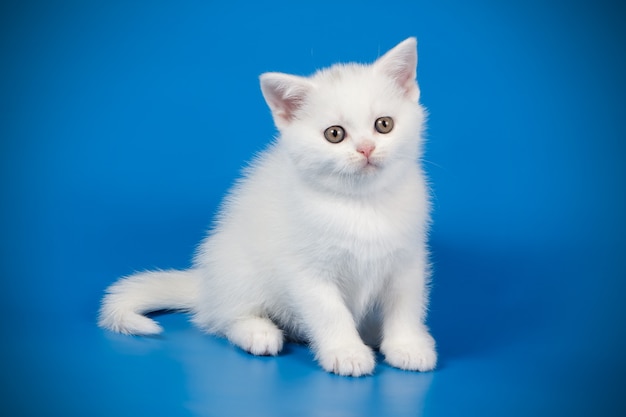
[[111, 163]]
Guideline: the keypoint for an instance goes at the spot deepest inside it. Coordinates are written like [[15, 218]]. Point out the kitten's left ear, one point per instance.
[[400, 63], [285, 94]]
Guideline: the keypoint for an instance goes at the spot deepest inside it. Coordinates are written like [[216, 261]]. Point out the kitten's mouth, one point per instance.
[[369, 165], [366, 166]]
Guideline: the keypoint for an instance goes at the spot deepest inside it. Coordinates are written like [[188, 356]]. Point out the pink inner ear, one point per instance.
[[408, 83], [286, 107], [400, 63], [285, 94]]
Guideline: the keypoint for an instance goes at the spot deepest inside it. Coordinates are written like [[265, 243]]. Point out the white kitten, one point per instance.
[[324, 239]]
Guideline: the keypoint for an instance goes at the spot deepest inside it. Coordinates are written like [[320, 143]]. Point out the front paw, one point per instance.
[[352, 360], [411, 353], [256, 335]]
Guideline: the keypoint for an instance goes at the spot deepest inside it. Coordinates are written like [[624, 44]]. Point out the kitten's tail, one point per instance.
[[126, 301]]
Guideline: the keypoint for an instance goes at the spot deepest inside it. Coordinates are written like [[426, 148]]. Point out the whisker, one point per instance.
[[433, 163]]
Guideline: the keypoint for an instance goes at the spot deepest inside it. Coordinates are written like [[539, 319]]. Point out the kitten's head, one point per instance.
[[352, 127]]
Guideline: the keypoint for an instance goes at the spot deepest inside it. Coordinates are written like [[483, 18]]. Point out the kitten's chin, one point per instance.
[[357, 179], [368, 175]]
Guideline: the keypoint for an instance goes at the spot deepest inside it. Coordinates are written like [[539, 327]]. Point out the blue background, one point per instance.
[[122, 125]]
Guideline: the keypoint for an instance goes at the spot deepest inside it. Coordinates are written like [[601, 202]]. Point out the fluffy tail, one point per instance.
[[126, 301]]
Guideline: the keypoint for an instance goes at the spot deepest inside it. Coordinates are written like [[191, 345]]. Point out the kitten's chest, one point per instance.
[[362, 232]]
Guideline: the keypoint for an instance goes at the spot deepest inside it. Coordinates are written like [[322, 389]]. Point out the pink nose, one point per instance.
[[366, 149]]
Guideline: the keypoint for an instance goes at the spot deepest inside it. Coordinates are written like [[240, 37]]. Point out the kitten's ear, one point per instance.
[[400, 63], [284, 94]]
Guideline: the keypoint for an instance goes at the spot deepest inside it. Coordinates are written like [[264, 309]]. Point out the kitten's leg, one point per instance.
[[257, 335], [332, 331], [407, 344]]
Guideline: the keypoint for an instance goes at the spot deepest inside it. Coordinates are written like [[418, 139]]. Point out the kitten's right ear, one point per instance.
[[285, 94]]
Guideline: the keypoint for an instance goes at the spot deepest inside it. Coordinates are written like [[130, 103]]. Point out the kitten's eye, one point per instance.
[[335, 134], [384, 124]]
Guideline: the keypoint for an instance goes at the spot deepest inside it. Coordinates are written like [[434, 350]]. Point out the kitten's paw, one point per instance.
[[353, 360], [411, 353], [256, 335]]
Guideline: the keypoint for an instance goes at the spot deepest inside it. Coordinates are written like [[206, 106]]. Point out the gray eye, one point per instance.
[[335, 134], [384, 124]]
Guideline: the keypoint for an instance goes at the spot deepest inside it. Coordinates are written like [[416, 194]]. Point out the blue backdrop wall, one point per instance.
[[122, 124]]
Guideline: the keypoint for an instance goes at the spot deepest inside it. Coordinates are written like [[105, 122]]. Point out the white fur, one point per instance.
[[315, 243]]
